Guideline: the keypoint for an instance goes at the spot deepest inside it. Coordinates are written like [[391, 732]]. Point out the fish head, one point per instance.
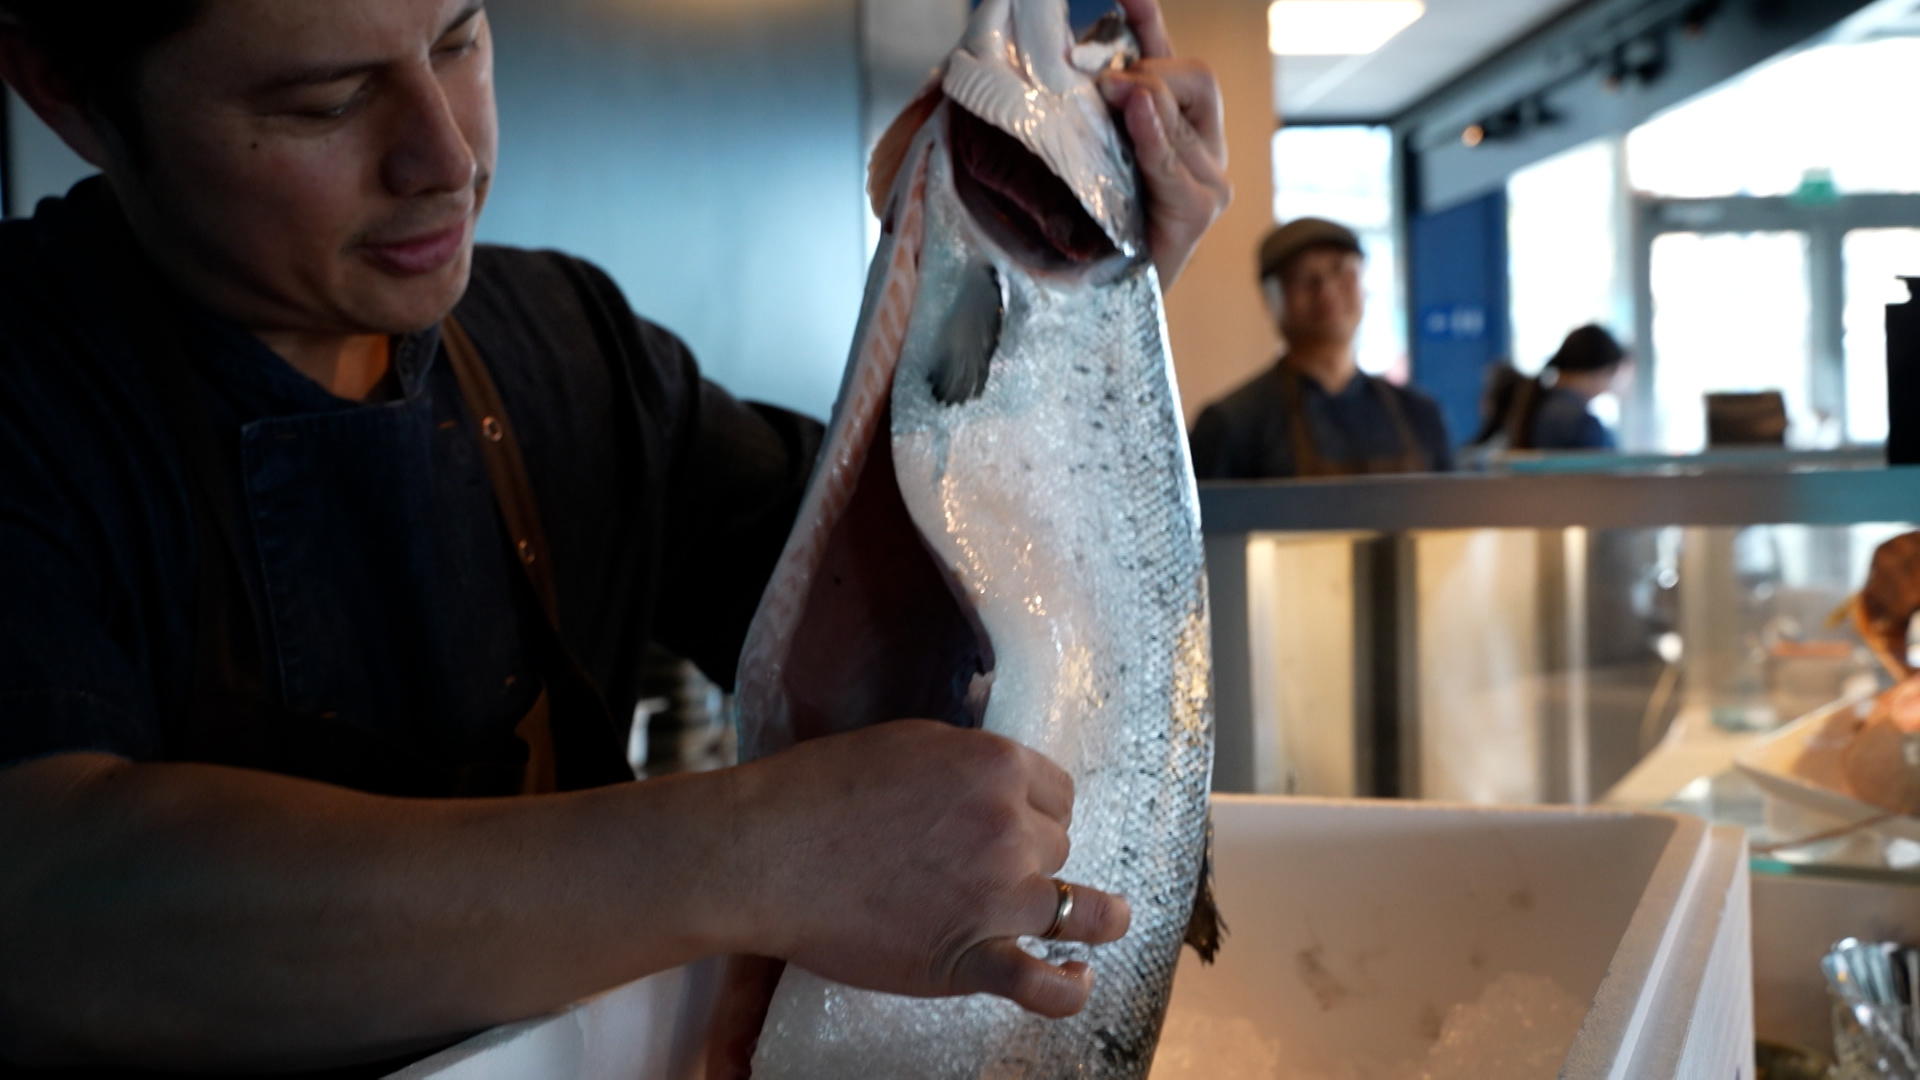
[[1020, 71], [1038, 155]]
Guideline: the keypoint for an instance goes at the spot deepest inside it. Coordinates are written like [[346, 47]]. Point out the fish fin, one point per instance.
[[1205, 927], [996, 96], [890, 153], [970, 338]]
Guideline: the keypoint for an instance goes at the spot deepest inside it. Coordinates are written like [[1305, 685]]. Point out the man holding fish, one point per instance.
[[319, 523]]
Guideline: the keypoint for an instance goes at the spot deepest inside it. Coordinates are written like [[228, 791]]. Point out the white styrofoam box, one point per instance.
[[1355, 926], [646, 1030]]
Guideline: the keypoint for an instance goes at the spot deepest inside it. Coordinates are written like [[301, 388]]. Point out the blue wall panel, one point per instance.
[[1458, 270]]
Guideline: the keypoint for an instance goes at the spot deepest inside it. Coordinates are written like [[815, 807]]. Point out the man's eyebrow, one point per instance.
[[467, 15], [321, 76]]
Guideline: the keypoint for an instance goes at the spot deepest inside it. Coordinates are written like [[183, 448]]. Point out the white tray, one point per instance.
[[1355, 926], [1770, 761]]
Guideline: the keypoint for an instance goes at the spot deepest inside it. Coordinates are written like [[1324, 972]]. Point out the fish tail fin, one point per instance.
[[1205, 927], [890, 153]]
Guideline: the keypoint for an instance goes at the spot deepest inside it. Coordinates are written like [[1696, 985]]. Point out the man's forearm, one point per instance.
[[197, 916]]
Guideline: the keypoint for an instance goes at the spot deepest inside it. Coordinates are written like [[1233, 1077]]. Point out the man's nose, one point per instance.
[[430, 154]]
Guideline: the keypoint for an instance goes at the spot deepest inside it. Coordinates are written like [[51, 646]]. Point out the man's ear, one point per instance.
[[31, 72]]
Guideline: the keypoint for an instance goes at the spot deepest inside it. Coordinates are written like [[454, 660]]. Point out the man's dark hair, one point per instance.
[[97, 46]]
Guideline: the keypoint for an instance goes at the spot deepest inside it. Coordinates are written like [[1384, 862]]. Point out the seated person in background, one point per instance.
[[1315, 413], [1550, 412]]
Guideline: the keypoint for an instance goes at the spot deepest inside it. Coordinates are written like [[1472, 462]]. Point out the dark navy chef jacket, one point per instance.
[[378, 569]]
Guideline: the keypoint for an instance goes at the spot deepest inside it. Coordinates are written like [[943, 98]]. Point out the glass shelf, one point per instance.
[[1558, 633]]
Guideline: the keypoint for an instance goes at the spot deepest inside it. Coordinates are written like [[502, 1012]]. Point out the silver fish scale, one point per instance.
[[1063, 499]]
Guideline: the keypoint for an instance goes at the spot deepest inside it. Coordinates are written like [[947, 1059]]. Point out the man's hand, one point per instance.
[[908, 857], [1172, 111], [202, 918]]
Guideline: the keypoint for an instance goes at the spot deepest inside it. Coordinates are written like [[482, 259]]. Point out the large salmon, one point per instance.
[[1003, 531]]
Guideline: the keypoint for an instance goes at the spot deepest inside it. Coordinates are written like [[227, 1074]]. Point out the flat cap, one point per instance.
[[1302, 234]]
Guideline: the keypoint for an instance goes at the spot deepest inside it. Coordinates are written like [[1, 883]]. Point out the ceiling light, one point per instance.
[[1337, 27]]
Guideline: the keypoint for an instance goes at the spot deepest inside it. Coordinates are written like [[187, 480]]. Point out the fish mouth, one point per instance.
[[1021, 204]]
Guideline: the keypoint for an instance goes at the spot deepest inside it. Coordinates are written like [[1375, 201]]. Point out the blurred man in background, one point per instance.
[[1314, 413]]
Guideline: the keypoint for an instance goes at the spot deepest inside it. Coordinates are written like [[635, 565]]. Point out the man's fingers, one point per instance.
[[1054, 845], [1187, 99], [1148, 27], [1188, 177], [1002, 968], [1152, 143], [1097, 917], [1196, 96], [1050, 789]]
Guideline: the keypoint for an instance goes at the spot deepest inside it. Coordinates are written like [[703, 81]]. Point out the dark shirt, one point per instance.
[[1562, 422], [373, 550], [1247, 435]]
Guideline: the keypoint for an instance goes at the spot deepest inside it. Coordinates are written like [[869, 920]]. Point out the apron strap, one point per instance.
[[570, 735], [1412, 457], [512, 491], [230, 718], [1308, 462]]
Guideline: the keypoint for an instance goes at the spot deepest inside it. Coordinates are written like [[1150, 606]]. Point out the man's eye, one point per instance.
[[337, 110], [458, 49]]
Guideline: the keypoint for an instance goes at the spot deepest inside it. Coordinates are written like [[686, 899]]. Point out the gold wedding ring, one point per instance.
[[1061, 911]]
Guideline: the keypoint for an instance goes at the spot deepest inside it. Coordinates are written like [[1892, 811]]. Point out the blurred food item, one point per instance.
[[1824, 760], [1885, 607], [1875, 758], [1882, 764], [1803, 675]]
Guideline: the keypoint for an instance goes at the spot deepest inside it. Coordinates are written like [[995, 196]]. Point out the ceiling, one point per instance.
[[1453, 37]]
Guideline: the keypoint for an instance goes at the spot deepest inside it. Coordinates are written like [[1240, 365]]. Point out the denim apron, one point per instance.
[[1309, 463], [566, 741]]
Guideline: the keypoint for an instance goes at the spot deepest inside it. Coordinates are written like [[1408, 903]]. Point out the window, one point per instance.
[[1839, 113], [1730, 313], [1564, 229], [1775, 214], [1875, 259]]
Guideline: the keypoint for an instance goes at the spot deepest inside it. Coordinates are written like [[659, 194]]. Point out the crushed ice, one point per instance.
[[1519, 1028]]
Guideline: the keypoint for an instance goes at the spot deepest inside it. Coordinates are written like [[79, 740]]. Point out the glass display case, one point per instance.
[[1576, 630]]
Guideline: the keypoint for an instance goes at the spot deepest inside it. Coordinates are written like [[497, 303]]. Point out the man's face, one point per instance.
[[1319, 298], [317, 166]]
